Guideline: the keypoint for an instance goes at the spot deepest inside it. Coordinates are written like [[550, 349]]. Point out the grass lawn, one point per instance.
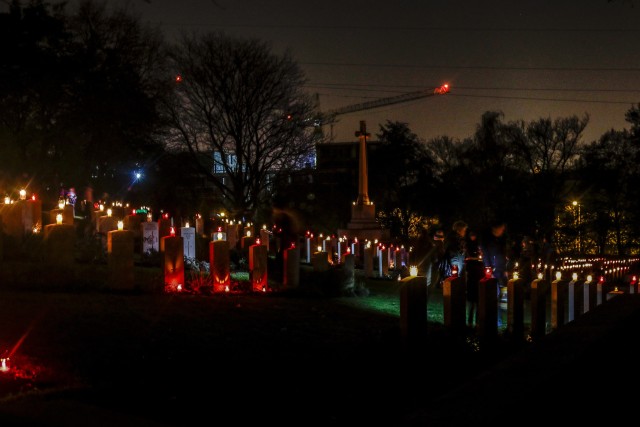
[[171, 359]]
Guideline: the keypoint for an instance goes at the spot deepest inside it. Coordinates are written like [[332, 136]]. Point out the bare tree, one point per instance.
[[240, 110]]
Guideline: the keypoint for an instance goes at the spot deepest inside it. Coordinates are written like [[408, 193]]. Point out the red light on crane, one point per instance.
[[442, 89]]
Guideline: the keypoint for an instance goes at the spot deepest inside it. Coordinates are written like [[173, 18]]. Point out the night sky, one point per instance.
[[497, 55]]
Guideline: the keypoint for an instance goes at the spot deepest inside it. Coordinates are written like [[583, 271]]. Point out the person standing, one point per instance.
[[474, 269], [494, 252], [434, 260], [455, 246]]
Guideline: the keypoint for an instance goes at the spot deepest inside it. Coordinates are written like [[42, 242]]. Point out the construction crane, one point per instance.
[[329, 117]]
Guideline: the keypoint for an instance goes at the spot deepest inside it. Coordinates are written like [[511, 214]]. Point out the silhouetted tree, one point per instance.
[[244, 107], [402, 179]]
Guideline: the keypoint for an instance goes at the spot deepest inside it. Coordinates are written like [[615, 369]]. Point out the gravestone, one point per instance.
[[291, 277], [349, 268], [173, 262], [219, 263], [320, 261], [515, 308], [59, 244], [576, 299], [590, 295], [150, 237], [488, 308], [454, 303], [413, 308], [368, 261], [188, 235], [120, 259], [258, 268], [559, 290], [539, 291]]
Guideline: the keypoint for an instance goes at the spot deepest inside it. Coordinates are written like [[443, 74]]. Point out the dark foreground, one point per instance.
[[144, 360]]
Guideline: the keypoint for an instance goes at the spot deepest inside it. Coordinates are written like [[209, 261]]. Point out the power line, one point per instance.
[[405, 28], [523, 98], [371, 86], [517, 98], [466, 67]]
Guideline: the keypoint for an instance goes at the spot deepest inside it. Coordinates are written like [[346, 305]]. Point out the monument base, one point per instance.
[[363, 224]]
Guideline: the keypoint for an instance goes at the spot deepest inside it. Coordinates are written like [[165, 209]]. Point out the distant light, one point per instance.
[[574, 203], [178, 78]]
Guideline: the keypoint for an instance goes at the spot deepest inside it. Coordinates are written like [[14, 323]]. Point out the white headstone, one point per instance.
[[150, 233], [188, 235]]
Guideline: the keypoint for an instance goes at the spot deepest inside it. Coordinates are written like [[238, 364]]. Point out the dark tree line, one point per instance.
[[540, 177], [78, 96]]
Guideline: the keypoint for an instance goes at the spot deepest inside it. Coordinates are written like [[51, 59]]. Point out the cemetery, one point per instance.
[[126, 266]]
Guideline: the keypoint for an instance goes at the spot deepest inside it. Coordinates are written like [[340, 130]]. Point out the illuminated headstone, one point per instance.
[[173, 262], [258, 267], [150, 237], [219, 263], [188, 235]]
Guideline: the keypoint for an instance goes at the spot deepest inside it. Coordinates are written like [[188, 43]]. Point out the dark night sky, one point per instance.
[[485, 49]]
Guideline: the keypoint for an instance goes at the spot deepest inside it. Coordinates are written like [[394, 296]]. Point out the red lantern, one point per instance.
[[488, 272]]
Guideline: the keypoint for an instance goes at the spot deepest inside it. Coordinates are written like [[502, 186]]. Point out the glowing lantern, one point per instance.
[[60, 204], [454, 271], [33, 197], [179, 287], [219, 236], [589, 278], [59, 219], [248, 233], [23, 194], [601, 279], [149, 217], [293, 245], [413, 271], [257, 241], [186, 224], [319, 248], [515, 275], [109, 212], [101, 207], [558, 275], [172, 231], [540, 276], [264, 289], [120, 225], [574, 276], [7, 200], [226, 288], [4, 365], [488, 272]]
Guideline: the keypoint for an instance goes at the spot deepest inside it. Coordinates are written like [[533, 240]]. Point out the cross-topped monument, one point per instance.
[[363, 174], [363, 223]]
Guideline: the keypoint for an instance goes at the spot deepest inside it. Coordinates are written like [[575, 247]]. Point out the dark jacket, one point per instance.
[[494, 251]]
